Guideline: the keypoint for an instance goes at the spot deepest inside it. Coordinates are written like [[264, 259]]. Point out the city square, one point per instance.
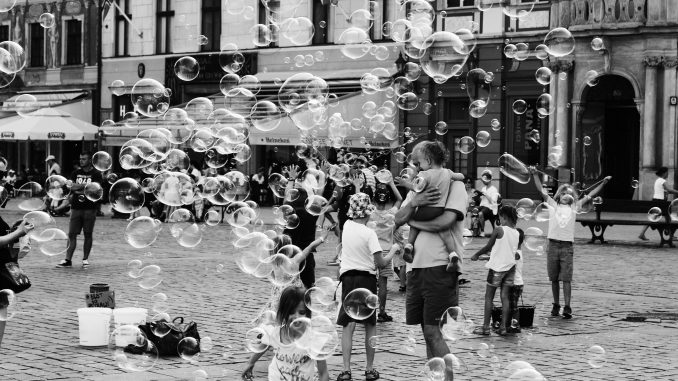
[[266, 169]]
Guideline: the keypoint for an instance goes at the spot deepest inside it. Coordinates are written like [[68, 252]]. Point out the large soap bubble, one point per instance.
[[186, 68], [41, 221], [450, 63], [559, 42], [58, 187], [150, 98], [360, 303], [12, 56], [142, 231], [174, 188], [131, 350], [55, 242], [514, 168], [126, 195]]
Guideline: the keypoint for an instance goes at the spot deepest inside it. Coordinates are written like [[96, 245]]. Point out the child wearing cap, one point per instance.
[[360, 256]]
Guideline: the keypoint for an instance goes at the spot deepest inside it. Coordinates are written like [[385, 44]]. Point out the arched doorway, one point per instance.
[[609, 137]]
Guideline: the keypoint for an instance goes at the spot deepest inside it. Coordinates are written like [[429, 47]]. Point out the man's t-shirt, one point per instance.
[[78, 199], [429, 248]]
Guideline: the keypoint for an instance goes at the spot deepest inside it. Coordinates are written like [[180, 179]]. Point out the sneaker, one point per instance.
[[555, 311], [567, 312], [85, 263], [454, 266], [383, 317], [64, 263], [408, 253]]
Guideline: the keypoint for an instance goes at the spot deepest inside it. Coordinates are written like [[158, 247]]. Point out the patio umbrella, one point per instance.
[[46, 124]]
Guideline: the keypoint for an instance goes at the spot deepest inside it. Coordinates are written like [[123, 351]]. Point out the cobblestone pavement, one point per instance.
[[41, 342]]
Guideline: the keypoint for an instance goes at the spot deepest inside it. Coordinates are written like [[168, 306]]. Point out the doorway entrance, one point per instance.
[[609, 138]]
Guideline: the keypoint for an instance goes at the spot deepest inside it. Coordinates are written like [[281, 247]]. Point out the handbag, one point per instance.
[[525, 315], [167, 345]]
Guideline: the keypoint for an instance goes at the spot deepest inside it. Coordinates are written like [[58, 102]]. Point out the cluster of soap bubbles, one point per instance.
[[147, 277]]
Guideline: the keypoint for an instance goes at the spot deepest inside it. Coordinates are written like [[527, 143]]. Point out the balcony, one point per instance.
[[607, 14]]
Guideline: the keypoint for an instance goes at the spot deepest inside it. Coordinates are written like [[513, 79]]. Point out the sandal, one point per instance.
[[567, 312], [485, 331], [345, 376], [501, 331], [371, 375]]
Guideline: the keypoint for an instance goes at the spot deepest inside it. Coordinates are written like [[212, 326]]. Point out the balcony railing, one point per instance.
[[614, 14]]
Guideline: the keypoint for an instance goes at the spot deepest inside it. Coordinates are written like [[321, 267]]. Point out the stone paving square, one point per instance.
[[624, 276]]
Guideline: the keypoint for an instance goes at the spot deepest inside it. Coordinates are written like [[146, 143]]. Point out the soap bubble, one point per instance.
[[131, 350], [483, 139], [452, 324], [255, 340], [534, 239], [149, 277], [597, 44], [150, 98], [41, 221], [142, 231], [419, 184], [514, 168], [25, 104], [384, 176], [516, 11], [477, 109], [360, 303], [188, 348], [316, 205], [126, 195], [587, 140], [654, 214], [528, 374], [477, 87], [522, 52], [543, 75], [519, 107], [525, 208], [596, 356], [12, 56], [466, 145], [591, 78], [495, 124], [559, 42], [456, 55], [434, 369], [353, 42], [541, 52], [58, 187], [46, 20], [545, 104], [186, 68], [55, 242], [634, 184], [94, 191], [102, 161], [483, 350], [441, 128], [30, 196]]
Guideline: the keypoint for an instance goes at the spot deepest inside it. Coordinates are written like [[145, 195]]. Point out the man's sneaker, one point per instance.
[[567, 312], [408, 253], [85, 263], [454, 266], [555, 311], [64, 263]]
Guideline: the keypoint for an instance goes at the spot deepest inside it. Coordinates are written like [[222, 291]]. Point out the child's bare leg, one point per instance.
[[505, 309], [453, 266], [347, 344], [408, 250], [489, 298]]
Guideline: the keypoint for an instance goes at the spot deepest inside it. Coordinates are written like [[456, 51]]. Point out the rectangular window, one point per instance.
[[321, 16], [460, 3], [163, 26], [211, 24], [121, 28], [37, 45], [73, 42], [4, 32], [269, 13]]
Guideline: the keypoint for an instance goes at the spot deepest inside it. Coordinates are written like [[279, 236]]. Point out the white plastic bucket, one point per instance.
[[94, 326], [128, 316]]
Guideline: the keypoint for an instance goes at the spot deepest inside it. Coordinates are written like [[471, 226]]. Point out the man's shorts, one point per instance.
[[82, 220], [501, 278], [430, 291], [559, 261], [486, 212], [351, 280]]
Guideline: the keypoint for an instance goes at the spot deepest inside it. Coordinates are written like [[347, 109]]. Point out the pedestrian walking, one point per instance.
[[83, 210], [560, 252], [661, 191], [502, 246], [431, 289]]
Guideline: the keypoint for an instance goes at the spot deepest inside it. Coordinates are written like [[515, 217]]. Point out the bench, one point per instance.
[[597, 225]]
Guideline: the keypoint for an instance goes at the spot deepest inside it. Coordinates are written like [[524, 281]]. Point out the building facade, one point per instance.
[[625, 113], [61, 71]]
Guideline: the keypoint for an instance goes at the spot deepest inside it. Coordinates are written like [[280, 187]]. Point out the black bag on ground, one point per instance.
[[11, 275], [525, 319], [167, 345]]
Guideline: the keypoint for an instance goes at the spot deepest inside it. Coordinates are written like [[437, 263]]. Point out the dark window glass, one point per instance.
[[211, 24], [37, 45], [4, 32], [163, 26], [73, 42]]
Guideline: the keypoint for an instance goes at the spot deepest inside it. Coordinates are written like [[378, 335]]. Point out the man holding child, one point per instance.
[[431, 289]]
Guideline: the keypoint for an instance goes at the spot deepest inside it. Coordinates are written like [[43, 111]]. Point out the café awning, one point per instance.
[[349, 106], [47, 124]]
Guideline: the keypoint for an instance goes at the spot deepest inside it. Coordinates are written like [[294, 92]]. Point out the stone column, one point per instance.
[[669, 122], [562, 120], [650, 114]]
